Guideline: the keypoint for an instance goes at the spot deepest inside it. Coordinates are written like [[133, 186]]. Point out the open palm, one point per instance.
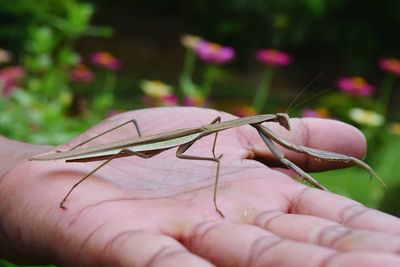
[[159, 211]]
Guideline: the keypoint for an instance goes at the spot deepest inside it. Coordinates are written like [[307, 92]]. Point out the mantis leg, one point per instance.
[[268, 136], [142, 155], [110, 130], [216, 120], [182, 149]]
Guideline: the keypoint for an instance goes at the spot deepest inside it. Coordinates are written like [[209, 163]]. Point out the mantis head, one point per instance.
[[283, 120]]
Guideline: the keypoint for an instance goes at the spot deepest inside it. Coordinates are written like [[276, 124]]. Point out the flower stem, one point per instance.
[[108, 88], [260, 98], [109, 82], [209, 77], [385, 93], [185, 80]]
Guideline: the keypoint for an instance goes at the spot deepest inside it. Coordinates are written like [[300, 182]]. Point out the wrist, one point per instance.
[[12, 155], [13, 152]]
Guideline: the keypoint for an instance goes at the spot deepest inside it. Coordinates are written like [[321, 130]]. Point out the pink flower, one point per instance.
[[391, 65], [355, 86], [170, 100], [273, 57], [105, 60], [213, 52], [81, 73], [8, 79]]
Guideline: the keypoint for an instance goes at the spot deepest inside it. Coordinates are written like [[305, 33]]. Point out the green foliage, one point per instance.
[[354, 182], [70, 18], [38, 112], [390, 201]]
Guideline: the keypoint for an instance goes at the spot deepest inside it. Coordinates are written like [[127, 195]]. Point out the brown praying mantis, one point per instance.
[[149, 146]]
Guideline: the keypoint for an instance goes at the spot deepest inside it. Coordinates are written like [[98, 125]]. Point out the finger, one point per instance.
[[326, 233], [365, 259], [247, 245], [329, 135], [343, 210], [140, 248]]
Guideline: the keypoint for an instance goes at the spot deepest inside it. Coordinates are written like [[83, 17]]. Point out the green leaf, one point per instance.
[[43, 39], [79, 15], [103, 102], [68, 57]]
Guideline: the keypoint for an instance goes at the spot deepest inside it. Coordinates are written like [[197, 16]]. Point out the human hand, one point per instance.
[[159, 211]]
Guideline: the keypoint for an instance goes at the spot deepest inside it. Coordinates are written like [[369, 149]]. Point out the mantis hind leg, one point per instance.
[[182, 149], [110, 130], [85, 177], [139, 154]]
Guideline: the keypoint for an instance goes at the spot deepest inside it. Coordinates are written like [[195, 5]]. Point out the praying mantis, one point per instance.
[[183, 139]]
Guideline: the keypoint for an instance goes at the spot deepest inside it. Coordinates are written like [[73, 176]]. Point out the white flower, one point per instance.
[[190, 41], [366, 117], [156, 88]]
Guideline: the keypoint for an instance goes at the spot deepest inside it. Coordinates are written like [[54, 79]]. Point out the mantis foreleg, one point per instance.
[[280, 156], [316, 153]]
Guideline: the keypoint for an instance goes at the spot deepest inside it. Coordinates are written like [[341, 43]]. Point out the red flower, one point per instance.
[[81, 73], [391, 65], [273, 57], [8, 79], [355, 86], [105, 60]]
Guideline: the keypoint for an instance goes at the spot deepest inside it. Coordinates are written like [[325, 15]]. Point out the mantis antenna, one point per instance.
[[302, 91], [308, 99]]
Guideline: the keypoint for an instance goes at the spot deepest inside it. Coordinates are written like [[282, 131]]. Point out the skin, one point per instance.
[[159, 211]]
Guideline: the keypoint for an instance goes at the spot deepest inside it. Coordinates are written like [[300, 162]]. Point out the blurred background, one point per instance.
[[66, 65]]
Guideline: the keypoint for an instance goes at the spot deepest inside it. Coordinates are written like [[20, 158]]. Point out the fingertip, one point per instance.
[[333, 135], [325, 135]]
